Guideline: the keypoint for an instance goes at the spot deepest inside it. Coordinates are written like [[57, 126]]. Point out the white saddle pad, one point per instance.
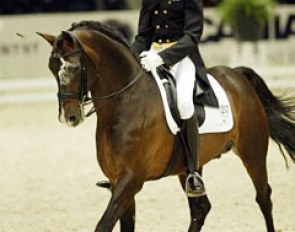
[[217, 120]]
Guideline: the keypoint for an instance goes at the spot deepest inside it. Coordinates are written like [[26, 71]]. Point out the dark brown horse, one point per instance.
[[134, 144]]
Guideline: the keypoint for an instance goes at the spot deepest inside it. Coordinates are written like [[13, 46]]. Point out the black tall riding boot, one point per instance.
[[194, 184]]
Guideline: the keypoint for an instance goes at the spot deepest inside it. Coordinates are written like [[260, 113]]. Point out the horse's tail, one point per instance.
[[280, 112]]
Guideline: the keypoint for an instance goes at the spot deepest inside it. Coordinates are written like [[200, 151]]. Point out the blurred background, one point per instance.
[[24, 58]]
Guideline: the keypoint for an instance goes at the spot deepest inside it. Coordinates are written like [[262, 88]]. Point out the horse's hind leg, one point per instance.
[[199, 208], [254, 159]]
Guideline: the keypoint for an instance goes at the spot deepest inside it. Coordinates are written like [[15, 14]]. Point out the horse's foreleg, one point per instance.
[[121, 205], [127, 221], [199, 209]]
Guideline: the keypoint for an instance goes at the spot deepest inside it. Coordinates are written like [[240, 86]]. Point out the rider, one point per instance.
[[168, 34]]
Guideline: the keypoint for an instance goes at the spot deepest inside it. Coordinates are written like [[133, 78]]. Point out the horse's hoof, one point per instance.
[[104, 184]]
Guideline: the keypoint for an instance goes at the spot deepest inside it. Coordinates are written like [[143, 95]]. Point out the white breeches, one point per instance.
[[184, 73]]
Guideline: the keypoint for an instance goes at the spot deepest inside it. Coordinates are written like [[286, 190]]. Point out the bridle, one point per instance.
[[82, 95]]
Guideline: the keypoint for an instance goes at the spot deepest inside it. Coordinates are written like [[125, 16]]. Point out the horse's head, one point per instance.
[[68, 63], [89, 53]]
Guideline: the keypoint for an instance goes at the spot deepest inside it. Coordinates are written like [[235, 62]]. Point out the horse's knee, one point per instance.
[[185, 108]]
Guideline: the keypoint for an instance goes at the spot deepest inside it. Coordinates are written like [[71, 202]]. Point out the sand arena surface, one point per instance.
[[48, 174]]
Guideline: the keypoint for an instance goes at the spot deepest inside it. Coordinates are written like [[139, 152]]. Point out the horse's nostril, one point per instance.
[[72, 118]]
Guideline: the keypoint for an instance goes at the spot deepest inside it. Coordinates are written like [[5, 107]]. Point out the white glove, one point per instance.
[[150, 60]]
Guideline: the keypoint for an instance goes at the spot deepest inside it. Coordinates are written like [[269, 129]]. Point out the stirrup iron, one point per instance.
[[194, 186]]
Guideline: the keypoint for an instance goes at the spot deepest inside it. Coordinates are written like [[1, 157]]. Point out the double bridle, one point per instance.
[[82, 95]]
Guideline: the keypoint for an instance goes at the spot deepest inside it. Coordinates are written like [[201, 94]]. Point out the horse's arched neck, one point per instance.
[[115, 67], [116, 64]]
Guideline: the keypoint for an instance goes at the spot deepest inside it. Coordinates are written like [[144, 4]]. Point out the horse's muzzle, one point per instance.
[[72, 117]]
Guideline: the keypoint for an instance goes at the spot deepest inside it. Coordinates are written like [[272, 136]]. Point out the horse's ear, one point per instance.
[[67, 36], [49, 38]]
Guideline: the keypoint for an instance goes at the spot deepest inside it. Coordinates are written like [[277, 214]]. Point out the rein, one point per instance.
[[112, 95], [120, 91], [83, 93]]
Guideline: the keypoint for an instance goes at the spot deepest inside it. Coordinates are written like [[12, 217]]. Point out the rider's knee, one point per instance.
[[186, 109]]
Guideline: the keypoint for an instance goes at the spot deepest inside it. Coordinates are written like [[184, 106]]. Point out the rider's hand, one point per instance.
[[150, 60]]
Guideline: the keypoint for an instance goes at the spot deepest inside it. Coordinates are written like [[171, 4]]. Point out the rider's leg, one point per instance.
[[185, 81]]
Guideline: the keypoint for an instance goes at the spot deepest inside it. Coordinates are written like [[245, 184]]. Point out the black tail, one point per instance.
[[280, 112]]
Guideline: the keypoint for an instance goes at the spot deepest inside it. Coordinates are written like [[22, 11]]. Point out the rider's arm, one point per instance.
[[143, 39]]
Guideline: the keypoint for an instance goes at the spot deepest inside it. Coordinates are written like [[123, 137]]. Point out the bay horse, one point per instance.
[[133, 141]]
